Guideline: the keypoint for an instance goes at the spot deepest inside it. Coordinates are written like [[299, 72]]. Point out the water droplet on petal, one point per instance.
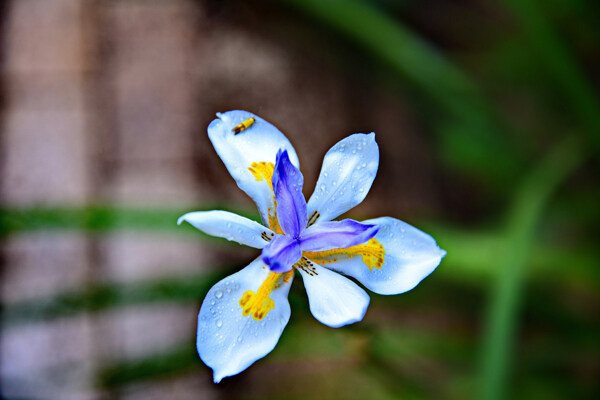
[[219, 323], [218, 294]]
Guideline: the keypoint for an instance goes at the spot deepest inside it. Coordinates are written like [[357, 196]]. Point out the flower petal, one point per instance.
[[229, 226], [291, 206], [410, 255], [336, 234], [230, 342], [282, 253], [258, 143], [334, 300], [347, 174]]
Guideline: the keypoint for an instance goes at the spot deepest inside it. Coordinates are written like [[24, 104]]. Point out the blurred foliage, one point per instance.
[[530, 271]]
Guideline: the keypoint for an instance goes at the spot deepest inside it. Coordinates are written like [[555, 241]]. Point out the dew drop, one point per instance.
[[218, 294], [212, 303], [240, 339], [219, 323]]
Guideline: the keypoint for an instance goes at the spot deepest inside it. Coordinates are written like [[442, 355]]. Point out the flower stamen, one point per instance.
[[243, 126]]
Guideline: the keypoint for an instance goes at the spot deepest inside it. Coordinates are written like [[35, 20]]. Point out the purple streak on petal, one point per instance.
[[281, 253], [336, 235], [291, 205]]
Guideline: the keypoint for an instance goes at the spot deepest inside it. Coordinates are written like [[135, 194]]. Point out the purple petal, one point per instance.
[[281, 253], [291, 205], [336, 235]]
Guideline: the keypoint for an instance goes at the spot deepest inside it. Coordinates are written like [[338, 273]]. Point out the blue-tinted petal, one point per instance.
[[282, 253], [229, 226], [229, 342], [334, 300], [410, 255], [260, 142], [348, 171], [336, 234], [291, 205]]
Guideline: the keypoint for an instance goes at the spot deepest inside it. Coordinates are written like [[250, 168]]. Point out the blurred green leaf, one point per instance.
[[471, 136], [101, 297], [531, 198]]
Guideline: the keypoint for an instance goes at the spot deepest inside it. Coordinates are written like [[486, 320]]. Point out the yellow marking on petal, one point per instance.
[[264, 171], [259, 304], [288, 276], [372, 253], [243, 126]]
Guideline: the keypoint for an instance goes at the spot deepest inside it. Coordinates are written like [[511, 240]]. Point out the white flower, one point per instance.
[[243, 316]]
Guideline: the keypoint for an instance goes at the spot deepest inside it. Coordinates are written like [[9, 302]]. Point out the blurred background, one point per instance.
[[488, 120]]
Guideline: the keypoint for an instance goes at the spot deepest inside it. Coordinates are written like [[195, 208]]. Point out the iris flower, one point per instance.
[[243, 315]]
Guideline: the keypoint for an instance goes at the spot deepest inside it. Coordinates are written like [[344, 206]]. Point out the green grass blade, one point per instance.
[[524, 216]]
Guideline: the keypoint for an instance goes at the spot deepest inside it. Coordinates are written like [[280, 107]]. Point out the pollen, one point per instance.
[[372, 253], [259, 304], [244, 125]]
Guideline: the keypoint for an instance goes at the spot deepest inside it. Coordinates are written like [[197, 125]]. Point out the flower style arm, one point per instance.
[[291, 206], [336, 234], [281, 254]]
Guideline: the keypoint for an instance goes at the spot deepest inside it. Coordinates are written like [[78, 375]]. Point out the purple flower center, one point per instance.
[[285, 250]]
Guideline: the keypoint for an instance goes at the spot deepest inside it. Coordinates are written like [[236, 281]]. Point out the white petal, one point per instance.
[[227, 341], [229, 226], [258, 143], [410, 255], [334, 300], [347, 174]]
